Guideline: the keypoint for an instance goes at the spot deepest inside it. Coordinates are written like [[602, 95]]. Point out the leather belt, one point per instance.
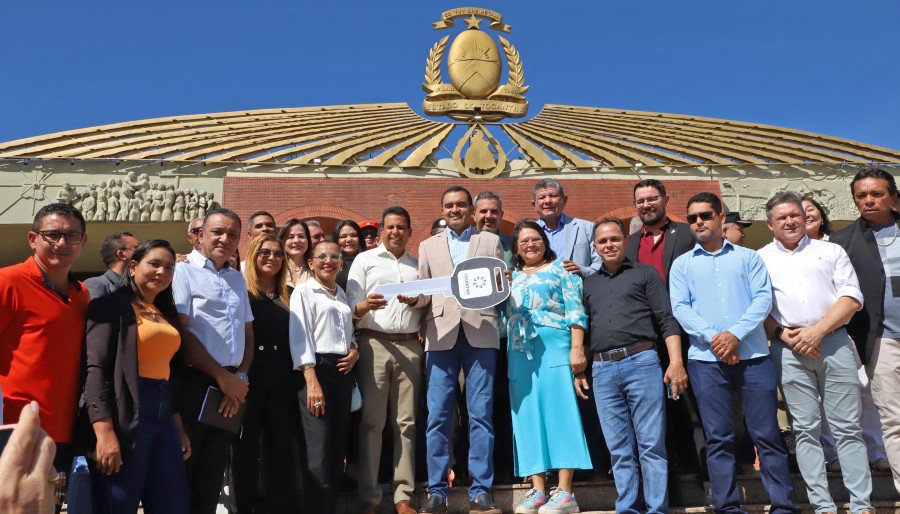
[[394, 338], [621, 353]]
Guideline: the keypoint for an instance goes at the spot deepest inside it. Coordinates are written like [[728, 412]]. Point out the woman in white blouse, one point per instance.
[[322, 347]]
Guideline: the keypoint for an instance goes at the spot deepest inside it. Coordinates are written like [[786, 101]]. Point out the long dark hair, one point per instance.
[[825, 228], [285, 230], [359, 239], [164, 301], [516, 261]]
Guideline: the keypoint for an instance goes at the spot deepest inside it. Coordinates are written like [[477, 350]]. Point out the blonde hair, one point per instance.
[[250, 275]]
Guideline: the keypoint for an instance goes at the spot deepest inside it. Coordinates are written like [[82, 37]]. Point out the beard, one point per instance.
[[652, 218]]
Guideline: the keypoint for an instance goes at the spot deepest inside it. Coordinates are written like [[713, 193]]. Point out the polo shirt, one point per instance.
[[651, 252], [41, 340]]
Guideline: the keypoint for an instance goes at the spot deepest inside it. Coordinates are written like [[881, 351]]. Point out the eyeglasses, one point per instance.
[[326, 256], [705, 216], [53, 236], [266, 253], [195, 230], [528, 241], [642, 201]]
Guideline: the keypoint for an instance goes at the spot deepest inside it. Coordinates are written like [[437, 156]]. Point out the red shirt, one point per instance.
[[651, 252], [41, 336]]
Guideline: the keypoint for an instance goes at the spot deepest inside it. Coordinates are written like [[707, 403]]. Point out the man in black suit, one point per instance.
[[658, 243]]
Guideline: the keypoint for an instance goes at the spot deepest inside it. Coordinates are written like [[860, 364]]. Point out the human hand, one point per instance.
[[724, 343], [109, 454], [27, 467], [315, 399], [808, 341], [577, 360], [677, 376], [346, 363], [571, 267], [581, 385], [373, 302], [228, 407], [182, 435], [732, 359], [407, 300], [232, 387]]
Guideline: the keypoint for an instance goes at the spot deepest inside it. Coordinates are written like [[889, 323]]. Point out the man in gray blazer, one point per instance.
[[115, 251], [458, 339], [570, 238]]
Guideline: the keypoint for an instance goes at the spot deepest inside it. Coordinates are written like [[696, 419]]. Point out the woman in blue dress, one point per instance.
[[546, 369]]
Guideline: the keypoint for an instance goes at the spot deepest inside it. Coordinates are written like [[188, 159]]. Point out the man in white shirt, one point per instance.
[[211, 299], [815, 293], [389, 371]]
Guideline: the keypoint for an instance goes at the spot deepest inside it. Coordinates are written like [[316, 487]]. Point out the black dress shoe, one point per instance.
[[434, 505], [484, 504]]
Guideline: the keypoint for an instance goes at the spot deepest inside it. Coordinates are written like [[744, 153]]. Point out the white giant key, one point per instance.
[[476, 283]]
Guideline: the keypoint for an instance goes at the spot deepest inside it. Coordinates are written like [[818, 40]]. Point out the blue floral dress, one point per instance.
[[542, 308]]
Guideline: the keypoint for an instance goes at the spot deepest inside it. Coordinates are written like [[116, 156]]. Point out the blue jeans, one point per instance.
[[442, 372], [631, 405], [78, 498], [153, 473], [754, 381]]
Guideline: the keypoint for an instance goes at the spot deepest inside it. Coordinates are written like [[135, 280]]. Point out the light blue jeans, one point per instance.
[[833, 378], [631, 404]]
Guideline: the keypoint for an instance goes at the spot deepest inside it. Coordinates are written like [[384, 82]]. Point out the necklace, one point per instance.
[[534, 267], [889, 243], [331, 290]]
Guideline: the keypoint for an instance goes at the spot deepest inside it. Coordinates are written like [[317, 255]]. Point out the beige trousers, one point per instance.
[[390, 381], [884, 372]]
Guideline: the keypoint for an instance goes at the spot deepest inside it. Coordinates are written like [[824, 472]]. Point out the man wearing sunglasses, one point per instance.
[[721, 294], [42, 314]]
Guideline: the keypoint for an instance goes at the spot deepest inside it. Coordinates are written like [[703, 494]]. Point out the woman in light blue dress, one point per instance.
[[546, 365]]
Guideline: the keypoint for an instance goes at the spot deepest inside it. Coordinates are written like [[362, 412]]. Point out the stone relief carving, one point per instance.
[[749, 196], [136, 198]]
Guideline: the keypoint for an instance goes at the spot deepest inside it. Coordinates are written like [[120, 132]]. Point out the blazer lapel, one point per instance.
[[669, 245], [571, 238], [442, 251], [129, 357], [473, 244]]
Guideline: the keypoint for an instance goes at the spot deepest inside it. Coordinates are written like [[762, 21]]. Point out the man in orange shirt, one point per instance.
[[42, 311]]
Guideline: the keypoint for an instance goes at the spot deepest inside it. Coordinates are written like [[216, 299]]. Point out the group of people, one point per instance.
[[675, 319]]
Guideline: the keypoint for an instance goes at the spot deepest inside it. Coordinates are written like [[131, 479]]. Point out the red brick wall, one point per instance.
[[365, 198]]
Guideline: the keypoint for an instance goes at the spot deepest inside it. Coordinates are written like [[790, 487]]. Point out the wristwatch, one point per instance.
[[776, 335], [243, 376]]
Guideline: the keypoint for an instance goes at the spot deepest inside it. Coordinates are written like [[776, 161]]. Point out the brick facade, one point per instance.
[[333, 199]]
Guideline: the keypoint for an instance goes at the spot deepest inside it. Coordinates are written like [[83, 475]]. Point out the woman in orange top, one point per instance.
[[131, 338]]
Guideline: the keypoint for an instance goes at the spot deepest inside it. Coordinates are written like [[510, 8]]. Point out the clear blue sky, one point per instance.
[[824, 66]]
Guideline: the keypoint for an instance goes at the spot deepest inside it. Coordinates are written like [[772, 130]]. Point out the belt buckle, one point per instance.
[[623, 351]]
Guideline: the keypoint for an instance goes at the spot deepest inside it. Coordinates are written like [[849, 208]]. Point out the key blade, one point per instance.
[[429, 286]]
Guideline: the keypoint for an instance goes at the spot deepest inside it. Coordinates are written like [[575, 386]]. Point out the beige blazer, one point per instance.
[[445, 316]]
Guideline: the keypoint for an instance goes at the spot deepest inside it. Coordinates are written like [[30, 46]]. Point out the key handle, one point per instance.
[[480, 282]]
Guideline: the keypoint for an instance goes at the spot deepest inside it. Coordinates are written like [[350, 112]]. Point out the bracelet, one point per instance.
[[304, 367]]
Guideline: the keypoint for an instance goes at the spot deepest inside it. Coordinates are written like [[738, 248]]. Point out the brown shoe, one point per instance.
[[369, 508], [404, 507]]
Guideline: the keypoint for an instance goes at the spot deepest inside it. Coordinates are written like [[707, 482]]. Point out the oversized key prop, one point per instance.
[[476, 283]]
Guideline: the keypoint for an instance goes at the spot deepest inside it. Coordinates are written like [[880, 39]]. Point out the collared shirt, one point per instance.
[[458, 244], [724, 291], [379, 266], [625, 307], [651, 251], [216, 304], [808, 280], [888, 244], [556, 236], [320, 323]]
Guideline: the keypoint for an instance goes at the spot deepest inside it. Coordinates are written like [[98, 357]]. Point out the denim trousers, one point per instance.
[[754, 381], [442, 371], [631, 404], [833, 379], [153, 473]]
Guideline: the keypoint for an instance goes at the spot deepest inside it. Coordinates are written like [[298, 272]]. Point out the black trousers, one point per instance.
[[270, 422], [325, 437], [210, 446]]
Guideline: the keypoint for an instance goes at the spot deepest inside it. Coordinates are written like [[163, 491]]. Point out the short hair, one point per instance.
[[112, 244], [489, 195], [709, 198], [258, 213], [650, 182], [286, 229], [396, 210], [607, 221], [59, 209], [826, 223], [221, 211], [457, 189], [312, 223], [515, 260], [780, 198], [872, 172], [202, 220], [360, 244], [544, 183]]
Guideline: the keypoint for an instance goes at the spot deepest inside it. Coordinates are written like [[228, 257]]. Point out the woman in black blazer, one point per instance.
[[131, 338]]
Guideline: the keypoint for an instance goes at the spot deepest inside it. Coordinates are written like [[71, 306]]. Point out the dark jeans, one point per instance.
[[754, 380], [325, 437], [270, 423], [210, 446], [153, 473]]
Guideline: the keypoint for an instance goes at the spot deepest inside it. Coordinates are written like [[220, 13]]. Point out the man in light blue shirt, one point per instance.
[[570, 238], [721, 294]]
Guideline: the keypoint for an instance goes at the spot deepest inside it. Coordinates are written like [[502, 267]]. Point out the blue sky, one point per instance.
[[825, 66]]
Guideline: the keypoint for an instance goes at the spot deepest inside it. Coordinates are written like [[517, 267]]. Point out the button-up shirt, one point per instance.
[[320, 323], [556, 236], [808, 280], [728, 290], [625, 307], [379, 266], [216, 304], [458, 244]]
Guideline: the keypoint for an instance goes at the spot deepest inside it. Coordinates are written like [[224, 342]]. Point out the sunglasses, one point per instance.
[[53, 236], [705, 216], [266, 253]]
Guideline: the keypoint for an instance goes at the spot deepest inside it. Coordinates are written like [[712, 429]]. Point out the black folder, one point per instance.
[[209, 412]]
